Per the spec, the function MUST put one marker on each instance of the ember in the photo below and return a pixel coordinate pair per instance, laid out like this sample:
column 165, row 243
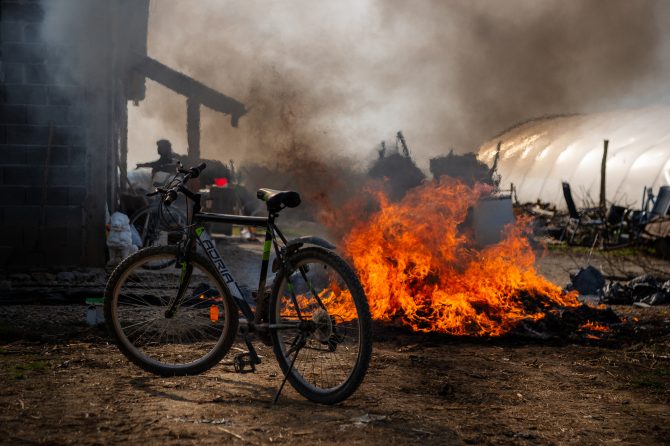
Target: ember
column 418, row 267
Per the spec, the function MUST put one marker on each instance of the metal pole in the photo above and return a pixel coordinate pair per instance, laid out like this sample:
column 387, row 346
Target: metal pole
column 603, row 168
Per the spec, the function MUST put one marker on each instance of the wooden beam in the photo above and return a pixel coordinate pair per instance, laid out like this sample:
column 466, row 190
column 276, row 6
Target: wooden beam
column 191, row 88
column 193, row 129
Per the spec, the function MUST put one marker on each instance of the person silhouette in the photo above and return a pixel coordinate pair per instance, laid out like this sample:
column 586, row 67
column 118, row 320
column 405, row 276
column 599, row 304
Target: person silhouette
column 166, row 161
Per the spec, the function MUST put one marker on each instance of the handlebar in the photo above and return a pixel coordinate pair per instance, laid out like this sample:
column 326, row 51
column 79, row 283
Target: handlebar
column 171, row 194
column 193, row 172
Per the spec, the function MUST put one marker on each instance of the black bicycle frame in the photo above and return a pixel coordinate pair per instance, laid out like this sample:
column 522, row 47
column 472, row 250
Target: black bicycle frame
column 205, row 240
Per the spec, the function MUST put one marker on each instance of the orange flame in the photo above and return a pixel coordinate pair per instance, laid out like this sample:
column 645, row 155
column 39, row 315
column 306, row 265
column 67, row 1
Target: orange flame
column 417, row 267
column 593, row 326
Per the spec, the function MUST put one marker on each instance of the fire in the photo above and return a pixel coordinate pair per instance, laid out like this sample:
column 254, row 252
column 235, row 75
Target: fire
column 593, row 326
column 417, row 267
column 338, row 302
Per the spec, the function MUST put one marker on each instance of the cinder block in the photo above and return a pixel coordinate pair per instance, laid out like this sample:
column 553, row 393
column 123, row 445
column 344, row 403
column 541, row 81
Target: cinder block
column 30, row 237
column 63, row 216
column 37, row 155
column 11, row 235
column 22, row 11
column 77, row 156
column 42, row 114
column 27, row 134
column 56, row 235
column 12, row 196
column 31, row 33
column 56, row 196
column 31, row 257
column 24, row 52
column 63, row 95
column 23, row 175
column 11, row 31
column 76, row 196
column 58, row 156
column 10, row 154
column 26, row 94
column 36, row 74
column 67, row 176
column 22, row 215
column 68, row 135
column 76, row 115
column 13, row 114
column 14, row 73
column 70, row 256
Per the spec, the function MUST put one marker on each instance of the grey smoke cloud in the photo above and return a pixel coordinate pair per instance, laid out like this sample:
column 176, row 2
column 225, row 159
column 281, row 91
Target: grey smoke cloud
column 341, row 76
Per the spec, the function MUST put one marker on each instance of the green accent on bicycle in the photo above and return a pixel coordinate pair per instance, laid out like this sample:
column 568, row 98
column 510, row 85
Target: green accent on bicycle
column 266, row 249
column 199, row 230
column 183, row 272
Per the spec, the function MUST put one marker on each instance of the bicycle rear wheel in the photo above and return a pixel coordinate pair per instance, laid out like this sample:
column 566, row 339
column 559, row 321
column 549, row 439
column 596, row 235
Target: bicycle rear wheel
column 187, row 341
column 158, row 224
column 327, row 354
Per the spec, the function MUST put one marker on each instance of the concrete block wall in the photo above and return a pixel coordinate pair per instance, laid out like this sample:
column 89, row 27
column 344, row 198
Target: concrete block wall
column 43, row 175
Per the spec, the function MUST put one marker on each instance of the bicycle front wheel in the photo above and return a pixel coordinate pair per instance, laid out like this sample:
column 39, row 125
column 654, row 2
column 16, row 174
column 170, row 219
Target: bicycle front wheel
column 323, row 334
column 178, row 320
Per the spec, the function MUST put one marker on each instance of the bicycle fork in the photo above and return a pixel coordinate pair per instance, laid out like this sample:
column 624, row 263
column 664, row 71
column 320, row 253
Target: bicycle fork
column 184, row 280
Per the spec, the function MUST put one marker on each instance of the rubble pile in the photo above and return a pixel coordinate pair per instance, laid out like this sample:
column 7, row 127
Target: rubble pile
column 400, row 173
column 642, row 291
column 574, row 323
column 466, row 168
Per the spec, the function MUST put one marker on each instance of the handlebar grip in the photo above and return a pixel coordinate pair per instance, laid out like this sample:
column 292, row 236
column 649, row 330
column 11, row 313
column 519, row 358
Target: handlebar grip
column 195, row 171
column 170, row 196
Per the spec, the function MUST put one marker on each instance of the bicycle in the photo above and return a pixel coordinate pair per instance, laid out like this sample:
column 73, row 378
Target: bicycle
column 157, row 225
column 182, row 320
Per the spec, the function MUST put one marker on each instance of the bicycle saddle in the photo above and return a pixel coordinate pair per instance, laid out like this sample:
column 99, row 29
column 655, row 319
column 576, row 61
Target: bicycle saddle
column 278, row 199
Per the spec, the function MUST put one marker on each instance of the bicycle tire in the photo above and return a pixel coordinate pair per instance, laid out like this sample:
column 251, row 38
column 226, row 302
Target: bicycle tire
column 324, row 386
column 137, row 297
column 147, row 217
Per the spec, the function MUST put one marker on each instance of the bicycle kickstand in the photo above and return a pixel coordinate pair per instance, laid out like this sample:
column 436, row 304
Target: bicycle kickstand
column 297, row 347
column 249, row 357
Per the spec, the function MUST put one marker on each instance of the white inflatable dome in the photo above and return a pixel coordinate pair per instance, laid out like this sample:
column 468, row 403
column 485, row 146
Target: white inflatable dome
column 538, row 155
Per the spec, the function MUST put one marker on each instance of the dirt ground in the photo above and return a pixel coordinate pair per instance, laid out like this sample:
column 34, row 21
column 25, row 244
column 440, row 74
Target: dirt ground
column 62, row 382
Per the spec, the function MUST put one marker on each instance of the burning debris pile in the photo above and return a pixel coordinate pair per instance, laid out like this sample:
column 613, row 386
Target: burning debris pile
column 419, row 268
column 466, row 168
column 397, row 168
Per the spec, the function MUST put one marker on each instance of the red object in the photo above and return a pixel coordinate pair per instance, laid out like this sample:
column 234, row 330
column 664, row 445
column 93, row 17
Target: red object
column 220, row 182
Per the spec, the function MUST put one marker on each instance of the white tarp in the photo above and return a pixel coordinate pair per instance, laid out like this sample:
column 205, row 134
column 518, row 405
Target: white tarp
column 538, row 155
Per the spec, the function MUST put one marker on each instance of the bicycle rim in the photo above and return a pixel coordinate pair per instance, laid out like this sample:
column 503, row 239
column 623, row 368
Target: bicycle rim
column 335, row 353
column 194, row 338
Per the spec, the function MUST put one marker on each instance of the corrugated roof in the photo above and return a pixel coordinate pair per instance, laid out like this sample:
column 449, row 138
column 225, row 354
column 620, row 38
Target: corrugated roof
column 538, row 155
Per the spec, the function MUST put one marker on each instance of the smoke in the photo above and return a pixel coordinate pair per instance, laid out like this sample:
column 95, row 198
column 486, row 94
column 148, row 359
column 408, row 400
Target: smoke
column 341, row 76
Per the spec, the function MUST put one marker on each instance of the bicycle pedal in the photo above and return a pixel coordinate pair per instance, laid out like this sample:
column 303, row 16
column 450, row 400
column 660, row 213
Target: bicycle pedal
column 242, row 361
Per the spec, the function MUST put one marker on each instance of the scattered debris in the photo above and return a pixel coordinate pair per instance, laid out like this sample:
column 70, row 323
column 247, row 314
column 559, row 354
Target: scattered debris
column 587, row 280
column 368, row 418
column 645, row 290
column 642, row 291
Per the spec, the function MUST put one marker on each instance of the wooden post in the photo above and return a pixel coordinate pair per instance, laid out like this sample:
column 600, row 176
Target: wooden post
column 193, row 129
column 603, row 169
column 123, row 146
